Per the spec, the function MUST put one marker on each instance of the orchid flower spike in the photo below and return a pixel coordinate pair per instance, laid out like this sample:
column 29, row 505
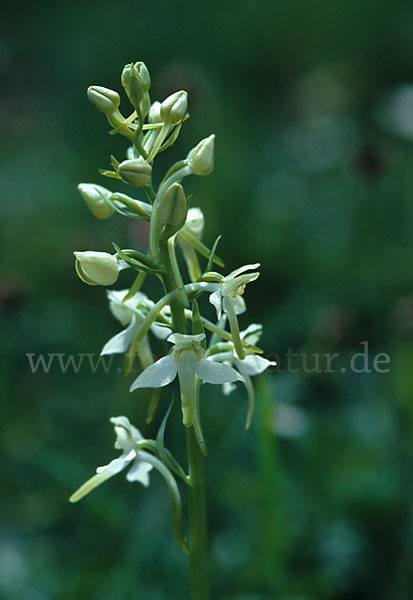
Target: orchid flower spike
column 227, row 296
column 252, row 364
column 186, row 360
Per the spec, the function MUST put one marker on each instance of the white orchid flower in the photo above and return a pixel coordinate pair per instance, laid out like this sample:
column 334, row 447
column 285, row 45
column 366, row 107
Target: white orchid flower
column 251, row 365
column 227, row 297
column 128, row 439
column 131, row 312
column 186, row 360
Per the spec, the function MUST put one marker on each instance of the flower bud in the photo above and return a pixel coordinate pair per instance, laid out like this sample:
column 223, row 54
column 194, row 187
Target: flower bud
column 201, row 158
column 136, row 172
column 155, row 113
column 174, row 108
column 172, row 208
column 195, row 222
column 95, row 197
column 144, row 77
column 136, row 81
column 97, row 268
column 103, row 99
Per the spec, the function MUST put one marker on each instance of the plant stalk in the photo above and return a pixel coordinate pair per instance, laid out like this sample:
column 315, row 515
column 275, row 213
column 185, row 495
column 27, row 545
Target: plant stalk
column 198, row 539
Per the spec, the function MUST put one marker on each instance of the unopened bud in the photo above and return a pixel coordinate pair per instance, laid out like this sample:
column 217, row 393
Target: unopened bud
column 195, row 222
column 136, row 172
column 95, row 197
column 172, row 208
column 97, row 268
column 155, row 113
column 174, row 108
column 103, row 99
column 201, row 158
column 136, row 81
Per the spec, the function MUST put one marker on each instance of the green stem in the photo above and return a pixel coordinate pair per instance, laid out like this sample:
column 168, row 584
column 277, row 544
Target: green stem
column 198, row 544
column 177, row 305
column 198, row 548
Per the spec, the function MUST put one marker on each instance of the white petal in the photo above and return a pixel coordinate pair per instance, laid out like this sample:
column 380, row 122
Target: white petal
column 120, row 342
column 238, row 303
column 243, row 269
column 160, row 331
column 139, row 472
column 227, row 388
column 253, row 364
column 117, row 464
column 252, row 333
column 186, row 340
column 216, row 299
column 162, row 372
column 214, row 372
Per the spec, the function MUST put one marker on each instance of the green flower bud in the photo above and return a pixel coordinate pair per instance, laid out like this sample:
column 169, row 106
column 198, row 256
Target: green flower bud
column 195, row 222
column 136, row 81
column 173, row 207
column 174, row 108
column 104, row 99
column 136, row 172
column 144, row 77
column 155, row 113
column 145, row 104
column 97, row 268
column 95, row 197
column 201, row 158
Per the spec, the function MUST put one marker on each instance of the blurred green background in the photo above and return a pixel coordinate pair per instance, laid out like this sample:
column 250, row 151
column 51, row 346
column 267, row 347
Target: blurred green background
column 311, row 102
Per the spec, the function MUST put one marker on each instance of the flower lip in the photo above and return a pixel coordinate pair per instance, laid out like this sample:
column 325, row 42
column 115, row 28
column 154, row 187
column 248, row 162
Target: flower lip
column 185, row 340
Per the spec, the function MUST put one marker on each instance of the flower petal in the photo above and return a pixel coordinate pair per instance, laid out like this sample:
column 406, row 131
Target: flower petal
column 162, row 372
column 160, row 331
column 216, row 299
column 186, row 340
column 186, row 374
column 117, row 464
column 238, row 303
column 227, row 388
column 90, row 485
column 214, row 372
column 139, row 472
column 242, row 270
column 253, row 364
column 120, row 342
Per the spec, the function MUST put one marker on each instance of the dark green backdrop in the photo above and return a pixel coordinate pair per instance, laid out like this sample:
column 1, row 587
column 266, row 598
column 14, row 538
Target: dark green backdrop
column 313, row 115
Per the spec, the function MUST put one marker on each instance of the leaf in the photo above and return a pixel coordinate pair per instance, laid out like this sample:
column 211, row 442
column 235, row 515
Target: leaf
column 164, row 454
column 111, row 174
column 153, row 404
column 200, row 247
column 212, row 255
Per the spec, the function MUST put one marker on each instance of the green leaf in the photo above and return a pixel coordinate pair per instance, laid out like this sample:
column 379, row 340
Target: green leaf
column 165, row 456
column 111, row 174
column 212, row 255
column 200, row 247
column 153, row 404
column 114, row 162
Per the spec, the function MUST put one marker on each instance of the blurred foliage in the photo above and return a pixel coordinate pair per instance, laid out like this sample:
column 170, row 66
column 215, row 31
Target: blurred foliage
column 311, row 103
